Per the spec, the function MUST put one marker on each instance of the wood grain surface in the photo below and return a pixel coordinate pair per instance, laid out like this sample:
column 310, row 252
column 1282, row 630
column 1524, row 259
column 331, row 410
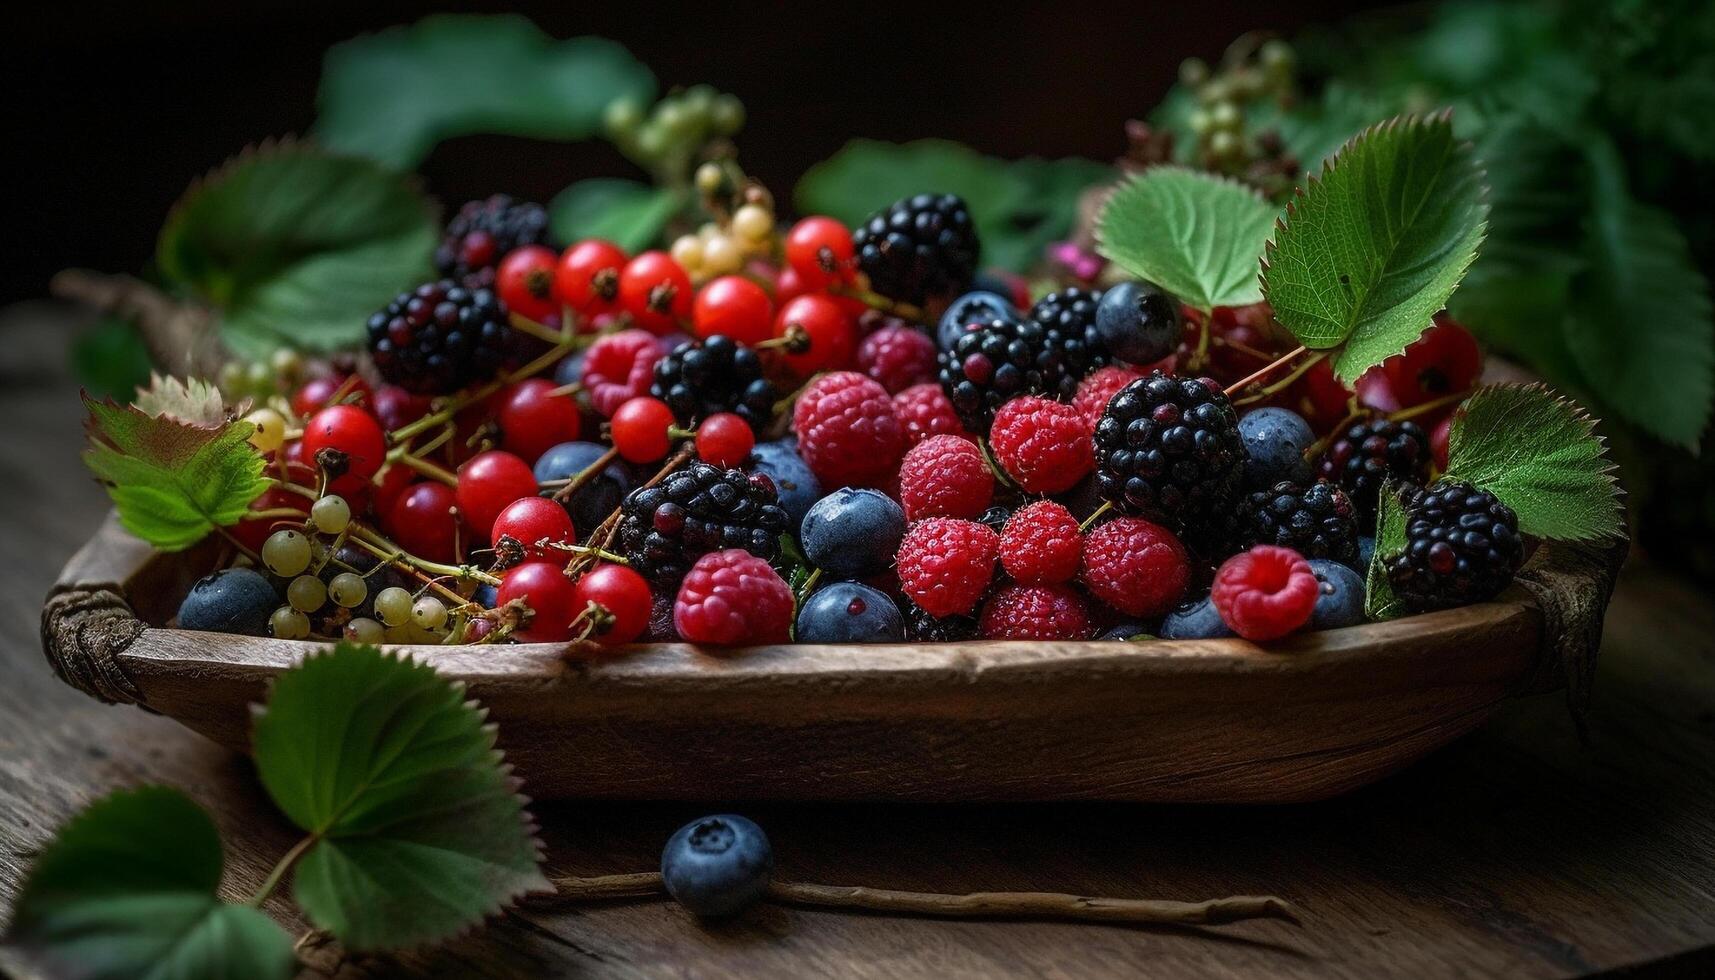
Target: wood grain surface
column 1516, row 851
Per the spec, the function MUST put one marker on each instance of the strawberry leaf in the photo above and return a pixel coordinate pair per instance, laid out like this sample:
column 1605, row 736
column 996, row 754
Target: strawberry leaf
column 173, row 482
column 1198, row 236
column 419, row 830
column 1539, row 453
column 127, row 889
column 1380, row 602
column 1370, row 250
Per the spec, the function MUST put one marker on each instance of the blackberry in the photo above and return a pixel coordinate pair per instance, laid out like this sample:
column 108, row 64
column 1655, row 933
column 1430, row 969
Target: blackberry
column 1071, row 312
column 1461, row 546
column 921, row 247
column 995, row 517
column 440, row 337
column 481, row 234
column 923, row 627
column 1371, row 453
column 1317, row 521
column 1000, row 360
column 703, row 377
column 1169, row 448
column 664, row 529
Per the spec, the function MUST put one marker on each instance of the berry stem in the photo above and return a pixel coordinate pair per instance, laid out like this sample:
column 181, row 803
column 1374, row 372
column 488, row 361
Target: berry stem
column 1273, row 389
column 465, row 573
column 540, row 331
column 1430, row 406
column 1095, row 516
column 1265, row 370
column 458, row 403
column 566, row 488
column 431, row 470
column 876, row 301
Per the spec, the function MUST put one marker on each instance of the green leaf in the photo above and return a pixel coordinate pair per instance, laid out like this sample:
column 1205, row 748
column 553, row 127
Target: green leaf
column 1380, row 602
column 1639, row 316
column 392, row 96
column 172, row 481
column 1198, row 236
column 296, row 246
column 1540, row 454
column 126, row 891
column 1370, row 251
column 1018, row 207
column 628, row 213
column 110, row 359
column 419, row 831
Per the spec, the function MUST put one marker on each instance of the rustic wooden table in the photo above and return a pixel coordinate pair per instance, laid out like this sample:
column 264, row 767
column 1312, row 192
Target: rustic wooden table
column 1517, row 851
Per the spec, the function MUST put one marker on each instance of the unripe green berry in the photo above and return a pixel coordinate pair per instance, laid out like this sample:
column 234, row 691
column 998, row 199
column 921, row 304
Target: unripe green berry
column 348, row 590
column 622, row 117
column 306, row 593
column 330, row 514
column 289, row 624
column 727, row 114
column 364, row 630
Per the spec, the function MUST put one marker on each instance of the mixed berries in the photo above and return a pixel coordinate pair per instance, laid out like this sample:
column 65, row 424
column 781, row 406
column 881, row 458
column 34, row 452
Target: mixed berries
column 830, row 434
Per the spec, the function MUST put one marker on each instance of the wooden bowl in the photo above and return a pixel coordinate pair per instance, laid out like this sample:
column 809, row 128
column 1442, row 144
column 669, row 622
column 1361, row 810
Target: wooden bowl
column 1190, row 720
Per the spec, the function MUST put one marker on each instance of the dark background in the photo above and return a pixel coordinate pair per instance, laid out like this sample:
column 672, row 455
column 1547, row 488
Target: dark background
column 110, row 110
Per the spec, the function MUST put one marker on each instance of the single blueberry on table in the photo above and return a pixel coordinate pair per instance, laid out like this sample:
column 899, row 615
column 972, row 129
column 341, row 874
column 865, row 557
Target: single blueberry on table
column 232, row 600
column 1195, row 621
column 980, row 306
column 596, row 499
column 852, row 533
column 1339, row 596
column 850, row 612
column 1275, row 440
column 717, row 866
column 1138, row 322
column 793, row 481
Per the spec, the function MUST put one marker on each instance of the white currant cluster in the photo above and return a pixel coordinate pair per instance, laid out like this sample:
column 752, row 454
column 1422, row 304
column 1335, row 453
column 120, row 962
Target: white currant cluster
column 743, row 232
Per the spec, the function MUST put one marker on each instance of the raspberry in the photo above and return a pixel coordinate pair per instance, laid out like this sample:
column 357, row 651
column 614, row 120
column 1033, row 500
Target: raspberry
column 439, row 338
column 1040, row 544
column 1042, row 444
column 701, row 378
column 620, row 367
column 919, row 247
column 847, row 430
column 698, row 509
column 1035, row 612
column 925, row 411
column 1135, row 566
column 898, row 357
column 1095, row 391
column 483, row 232
column 1462, row 546
column 945, row 476
column 945, row 565
column 733, row 597
column 1266, row 592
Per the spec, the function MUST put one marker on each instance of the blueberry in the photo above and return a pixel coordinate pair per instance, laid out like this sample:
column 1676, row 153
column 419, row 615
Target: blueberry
column 1340, row 596
column 717, row 866
column 1125, row 631
column 852, row 533
column 595, row 499
column 570, row 370
column 1366, row 550
column 1194, row 621
column 976, row 307
column 1275, row 440
column 486, row 596
column 232, row 600
column 850, row 612
column 792, row 478
column 1138, row 322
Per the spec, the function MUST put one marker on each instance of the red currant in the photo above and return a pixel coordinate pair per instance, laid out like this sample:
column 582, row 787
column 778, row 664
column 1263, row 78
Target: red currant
column 525, row 282
column 395, row 407
column 1439, row 437
column 533, row 419
column 832, row 332
column 487, row 483
column 423, row 523
column 724, row 440
column 587, row 279
column 316, row 393
column 623, row 594
column 1443, row 361
column 352, row 431
column 820, row 251
column 639, row 429
column 550, row 595
column 655, row 290
column 389, row 485
column 734, row 306
column 537, row 523
column 255, row 531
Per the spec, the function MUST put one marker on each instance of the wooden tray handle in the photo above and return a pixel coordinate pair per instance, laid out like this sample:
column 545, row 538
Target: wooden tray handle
column 1571, row 585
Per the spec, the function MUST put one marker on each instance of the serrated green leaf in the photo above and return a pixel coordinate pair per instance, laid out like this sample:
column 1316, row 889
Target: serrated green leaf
column 296, row 246
column 1639, row 317
column 126, row 891
column 173, row 482
column 193, row 401
column 1380, row 602
column 1539, row 453
column 392, row 96
column 1017, row 207
column 419, row 830
column 110, row 359
column 1370, row 251
column 1198, row 236
column 628, row 213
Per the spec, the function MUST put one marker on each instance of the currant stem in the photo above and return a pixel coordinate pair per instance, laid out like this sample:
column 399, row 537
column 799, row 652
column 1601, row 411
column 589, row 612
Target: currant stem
column 465, row 573
column 431, row 470
column 1284, row 383
column 1095, row 516
column 1265, row 370
column 540, row 331
column 458, row 403
column 1430, row 406
column 582, row 478
column 876, row 301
